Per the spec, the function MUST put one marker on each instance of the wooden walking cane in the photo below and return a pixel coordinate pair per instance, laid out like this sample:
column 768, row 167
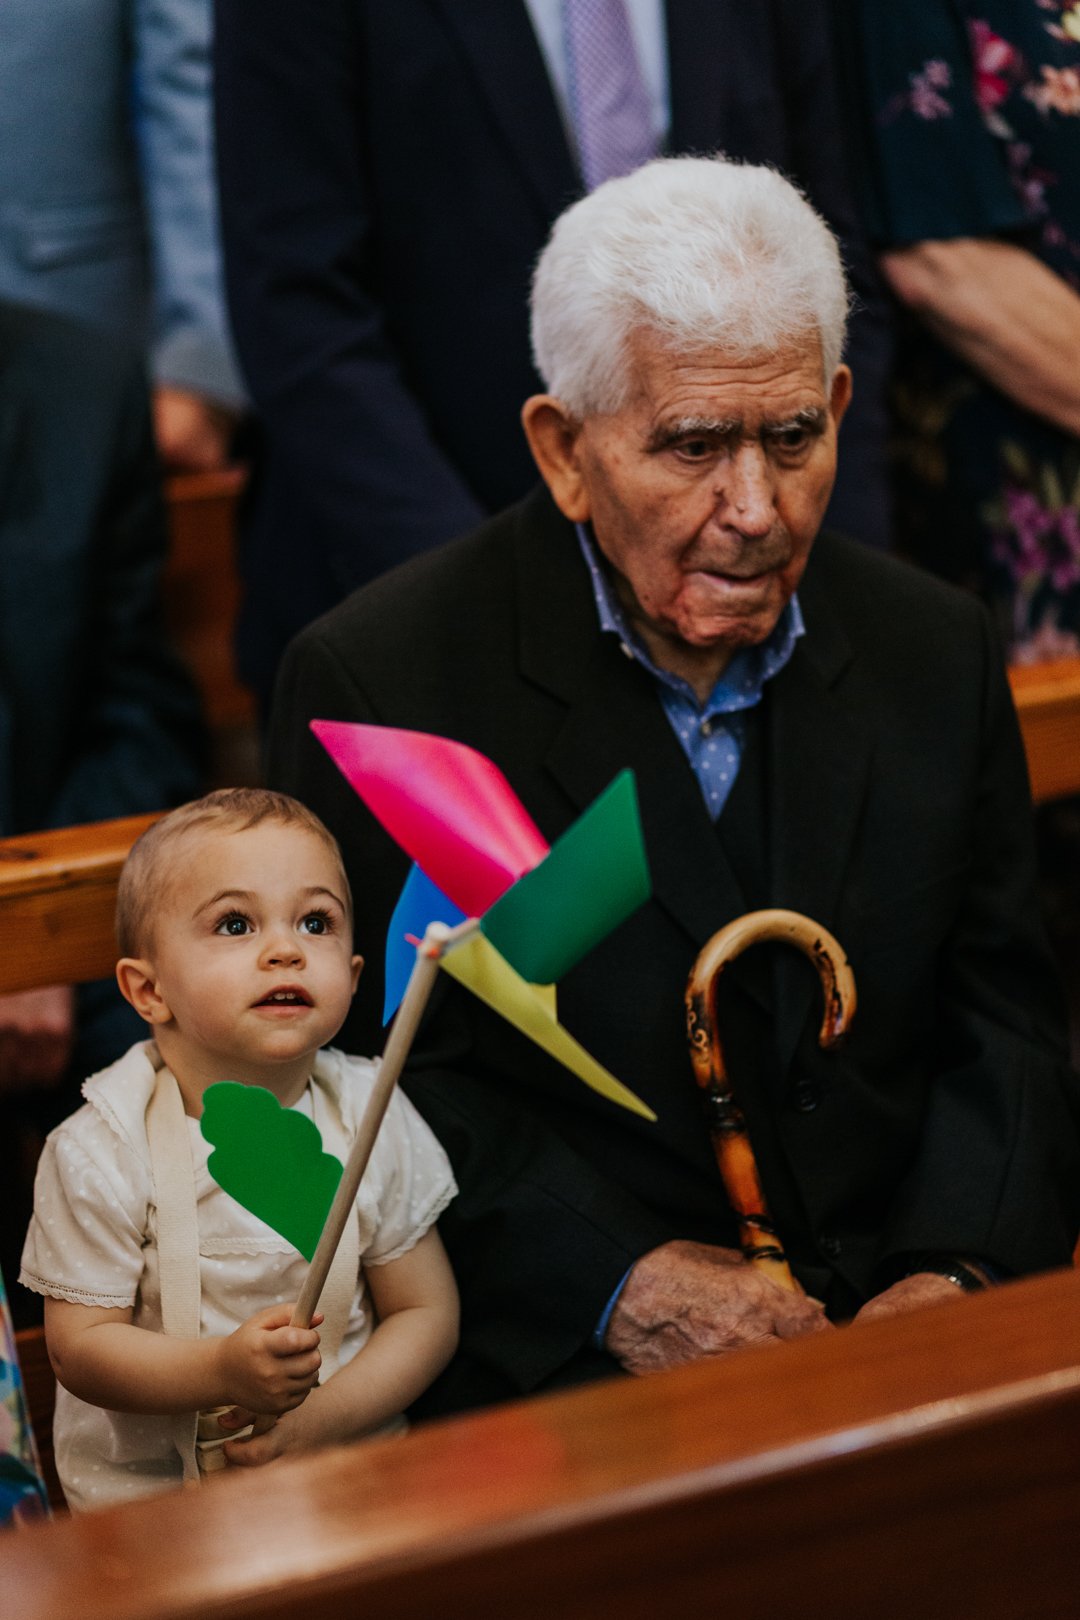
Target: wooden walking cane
column 727, row 1126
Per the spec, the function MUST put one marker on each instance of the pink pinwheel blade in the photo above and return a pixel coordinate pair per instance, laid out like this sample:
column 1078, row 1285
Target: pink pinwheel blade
column 449, row 807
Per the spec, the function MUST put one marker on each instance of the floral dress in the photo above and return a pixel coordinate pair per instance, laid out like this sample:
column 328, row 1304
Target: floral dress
column 970, row 127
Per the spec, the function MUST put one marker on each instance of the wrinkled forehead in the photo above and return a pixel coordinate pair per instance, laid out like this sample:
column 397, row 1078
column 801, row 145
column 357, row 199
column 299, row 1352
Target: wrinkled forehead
column 652, row 356
column 671, row 390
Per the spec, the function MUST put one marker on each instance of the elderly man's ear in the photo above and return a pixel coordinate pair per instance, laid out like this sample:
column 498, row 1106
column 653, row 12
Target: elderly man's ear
column 840, row 393
column 553, row 439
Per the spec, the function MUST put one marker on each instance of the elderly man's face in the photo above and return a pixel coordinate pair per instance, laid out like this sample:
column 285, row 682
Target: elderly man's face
column 705, row 492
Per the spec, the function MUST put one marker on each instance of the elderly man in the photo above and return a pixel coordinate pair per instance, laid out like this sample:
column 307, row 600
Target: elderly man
column 811, row 725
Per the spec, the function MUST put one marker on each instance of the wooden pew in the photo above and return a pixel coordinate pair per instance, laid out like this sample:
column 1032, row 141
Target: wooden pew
column 1047, row 698
column 202, row 599
column 202, row 587
column 925, row 1465
column 57, row 899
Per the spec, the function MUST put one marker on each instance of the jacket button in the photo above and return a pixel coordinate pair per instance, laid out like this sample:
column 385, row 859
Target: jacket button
column 807, row 1096
column 829, row 1244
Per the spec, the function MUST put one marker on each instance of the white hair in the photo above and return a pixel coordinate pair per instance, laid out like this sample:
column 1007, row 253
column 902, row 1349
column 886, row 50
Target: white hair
column 703, row 252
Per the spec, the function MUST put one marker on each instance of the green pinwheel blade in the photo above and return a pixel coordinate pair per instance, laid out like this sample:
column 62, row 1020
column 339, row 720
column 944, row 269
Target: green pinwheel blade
column 271, row 1160
column 589, row 882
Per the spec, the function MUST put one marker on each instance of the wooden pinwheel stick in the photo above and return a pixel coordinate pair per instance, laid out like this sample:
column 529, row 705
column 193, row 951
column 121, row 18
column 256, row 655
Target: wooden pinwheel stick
column 727, row 1126
column 421, row 982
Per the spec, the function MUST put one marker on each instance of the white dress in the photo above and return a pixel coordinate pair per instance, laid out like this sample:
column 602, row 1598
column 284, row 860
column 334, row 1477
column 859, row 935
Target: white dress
column 92, row 1240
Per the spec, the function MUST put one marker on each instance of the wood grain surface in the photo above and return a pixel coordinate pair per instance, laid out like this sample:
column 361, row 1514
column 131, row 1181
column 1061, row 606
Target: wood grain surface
column 923, row 1466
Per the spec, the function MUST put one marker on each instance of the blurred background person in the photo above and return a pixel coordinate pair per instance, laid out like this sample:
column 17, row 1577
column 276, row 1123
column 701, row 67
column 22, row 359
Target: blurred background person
column 107, row 199
column 97, row 717
column 389, row 174
column 968, row 123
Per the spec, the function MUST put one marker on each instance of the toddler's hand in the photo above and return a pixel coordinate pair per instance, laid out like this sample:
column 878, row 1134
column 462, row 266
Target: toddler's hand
column 255, row 1450
column 268, row 1366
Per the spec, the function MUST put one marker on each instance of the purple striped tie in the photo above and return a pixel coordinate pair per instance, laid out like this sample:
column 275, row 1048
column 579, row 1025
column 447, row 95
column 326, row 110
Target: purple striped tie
column 608, row 98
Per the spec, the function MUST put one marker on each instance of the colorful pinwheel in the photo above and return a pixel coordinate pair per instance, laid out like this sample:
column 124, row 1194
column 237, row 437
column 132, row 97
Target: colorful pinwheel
column 521, row 912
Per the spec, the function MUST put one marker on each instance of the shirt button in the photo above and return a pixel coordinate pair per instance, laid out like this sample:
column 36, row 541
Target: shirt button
column 706, row 728
column 829, row 1244
column 807, row 1096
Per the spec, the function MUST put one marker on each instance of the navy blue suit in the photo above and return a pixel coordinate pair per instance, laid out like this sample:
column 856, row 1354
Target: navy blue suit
column 389, row 174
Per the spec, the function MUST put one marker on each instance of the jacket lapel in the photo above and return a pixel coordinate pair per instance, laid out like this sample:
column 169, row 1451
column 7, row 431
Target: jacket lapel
column 496, row 40
column 821, row 750
column 614, row 719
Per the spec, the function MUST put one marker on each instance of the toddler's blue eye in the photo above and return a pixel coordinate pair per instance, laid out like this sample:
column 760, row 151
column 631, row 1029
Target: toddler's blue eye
column 316, row 923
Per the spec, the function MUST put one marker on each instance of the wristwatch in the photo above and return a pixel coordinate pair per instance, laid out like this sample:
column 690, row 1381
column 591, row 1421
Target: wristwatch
column 953, row 1270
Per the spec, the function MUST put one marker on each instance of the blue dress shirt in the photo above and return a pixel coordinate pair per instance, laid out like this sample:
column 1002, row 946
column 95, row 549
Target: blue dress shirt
column 712, row 734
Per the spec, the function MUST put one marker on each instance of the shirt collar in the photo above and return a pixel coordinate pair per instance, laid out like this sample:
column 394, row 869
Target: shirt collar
column 741, row 684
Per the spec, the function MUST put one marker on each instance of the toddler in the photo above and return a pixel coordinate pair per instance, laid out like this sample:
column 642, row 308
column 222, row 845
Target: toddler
column 164, row 1298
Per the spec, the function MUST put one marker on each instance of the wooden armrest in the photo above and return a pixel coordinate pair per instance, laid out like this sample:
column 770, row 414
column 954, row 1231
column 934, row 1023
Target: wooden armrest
column 57, row 900
column 202, row 588
column 182, row 489
column 1047, row 698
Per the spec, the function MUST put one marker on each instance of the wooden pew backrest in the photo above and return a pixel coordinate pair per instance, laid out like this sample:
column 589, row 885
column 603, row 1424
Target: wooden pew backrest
column 1047, row 698
column 57, row 899
column 928, row 1465
column 202, row 588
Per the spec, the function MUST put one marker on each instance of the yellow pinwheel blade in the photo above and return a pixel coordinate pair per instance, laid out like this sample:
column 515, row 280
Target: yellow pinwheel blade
column 476, row 964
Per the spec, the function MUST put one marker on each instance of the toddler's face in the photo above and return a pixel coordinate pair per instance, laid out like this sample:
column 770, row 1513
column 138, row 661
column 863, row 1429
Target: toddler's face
column 252, row 949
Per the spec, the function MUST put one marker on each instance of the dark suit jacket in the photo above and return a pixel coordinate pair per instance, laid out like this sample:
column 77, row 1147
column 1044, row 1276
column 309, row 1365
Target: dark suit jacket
column 883, row 793
column 389, row 174
column 97, row 717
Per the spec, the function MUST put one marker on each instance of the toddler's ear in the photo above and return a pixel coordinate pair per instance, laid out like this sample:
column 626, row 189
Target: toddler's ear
column 138, row 984
column 357, row 969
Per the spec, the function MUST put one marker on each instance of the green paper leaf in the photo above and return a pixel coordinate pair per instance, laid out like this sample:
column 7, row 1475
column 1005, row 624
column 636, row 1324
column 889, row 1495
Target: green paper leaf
column 589, row 882
column 271, row 1160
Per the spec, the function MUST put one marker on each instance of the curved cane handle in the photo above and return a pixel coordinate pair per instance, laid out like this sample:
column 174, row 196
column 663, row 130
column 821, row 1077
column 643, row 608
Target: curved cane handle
column 727, row 1126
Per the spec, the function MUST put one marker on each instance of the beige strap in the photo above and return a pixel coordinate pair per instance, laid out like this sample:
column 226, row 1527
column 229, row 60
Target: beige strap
column 343, row 1279
column 178, row 1259
column 178, row 1231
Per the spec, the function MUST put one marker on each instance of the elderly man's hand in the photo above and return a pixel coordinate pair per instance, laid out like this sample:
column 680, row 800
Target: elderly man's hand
column 910, row 1294
column 36, row 1033
column 687, row 1300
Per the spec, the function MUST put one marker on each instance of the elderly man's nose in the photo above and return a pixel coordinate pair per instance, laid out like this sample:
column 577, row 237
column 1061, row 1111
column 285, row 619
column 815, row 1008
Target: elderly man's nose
column 750, row 495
